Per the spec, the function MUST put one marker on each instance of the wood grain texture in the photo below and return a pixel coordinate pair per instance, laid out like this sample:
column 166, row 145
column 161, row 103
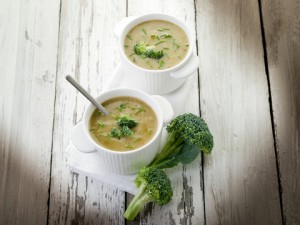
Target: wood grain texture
column 281, row 21
column 187, row 205
column 27, row 73
column 87, row 51
column 240, row 182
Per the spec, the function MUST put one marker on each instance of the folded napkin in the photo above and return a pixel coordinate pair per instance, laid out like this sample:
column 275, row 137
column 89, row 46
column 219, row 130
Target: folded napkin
column 87, row 163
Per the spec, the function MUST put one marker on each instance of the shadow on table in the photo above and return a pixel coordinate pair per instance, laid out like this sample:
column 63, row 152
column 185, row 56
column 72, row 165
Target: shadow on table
column 241, row 182
column 24, row 181
column 25, row 193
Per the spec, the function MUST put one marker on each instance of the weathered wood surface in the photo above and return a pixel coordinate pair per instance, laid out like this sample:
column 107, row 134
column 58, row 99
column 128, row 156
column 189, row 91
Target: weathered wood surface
column 241, row 185
column 281, row 21
column 27, row 88
column 87, row 50
column 42, row 41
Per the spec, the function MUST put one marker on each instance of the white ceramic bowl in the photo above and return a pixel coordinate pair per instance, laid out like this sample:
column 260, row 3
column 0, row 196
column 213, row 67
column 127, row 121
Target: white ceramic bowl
column 156, row 81
column 127, row 162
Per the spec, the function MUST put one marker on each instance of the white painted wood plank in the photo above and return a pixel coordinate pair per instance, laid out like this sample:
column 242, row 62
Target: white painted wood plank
column 28, row 51
column 87, row 50
column 282, row 29
column 186, row 206
column 240, row 175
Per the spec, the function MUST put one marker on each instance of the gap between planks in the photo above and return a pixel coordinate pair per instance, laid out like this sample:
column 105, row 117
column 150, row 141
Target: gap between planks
column 264, row 44
column 54, row 103
column 199, row 106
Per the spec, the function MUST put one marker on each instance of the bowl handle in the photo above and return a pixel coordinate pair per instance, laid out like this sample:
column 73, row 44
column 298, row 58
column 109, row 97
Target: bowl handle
column 79, row 139
column 191, row 66
column 166, row 108
column 120, row 26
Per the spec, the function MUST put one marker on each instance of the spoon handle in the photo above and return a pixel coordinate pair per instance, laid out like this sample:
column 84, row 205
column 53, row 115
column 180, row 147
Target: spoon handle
column 87, row 95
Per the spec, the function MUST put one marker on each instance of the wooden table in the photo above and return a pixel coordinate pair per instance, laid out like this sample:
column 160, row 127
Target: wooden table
column 247, row 88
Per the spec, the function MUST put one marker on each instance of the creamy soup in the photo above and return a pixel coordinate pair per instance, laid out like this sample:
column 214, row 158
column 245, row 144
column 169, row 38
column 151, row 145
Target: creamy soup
column 156, row 45
column 131, row 123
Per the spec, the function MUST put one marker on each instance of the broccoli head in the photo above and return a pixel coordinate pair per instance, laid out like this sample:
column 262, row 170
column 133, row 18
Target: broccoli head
column 120, row 132
column 154, row 186
column 188, row 135
column 125, row 131
column 116, row 133
column 147, row 51
column 193, row 130
column 126, row 120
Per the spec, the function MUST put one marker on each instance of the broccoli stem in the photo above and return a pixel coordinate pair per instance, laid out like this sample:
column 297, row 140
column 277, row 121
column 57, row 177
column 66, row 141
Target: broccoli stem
column 172, row 138
column 137, row 203
column 162, row 164
column 173, row 145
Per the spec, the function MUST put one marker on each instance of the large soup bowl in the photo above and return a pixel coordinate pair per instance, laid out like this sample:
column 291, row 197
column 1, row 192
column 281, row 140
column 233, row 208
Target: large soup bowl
column 156, row 81
column 123, row 162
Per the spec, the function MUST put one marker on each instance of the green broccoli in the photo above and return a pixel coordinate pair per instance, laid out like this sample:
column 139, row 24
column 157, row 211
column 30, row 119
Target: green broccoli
column 188, row 135
column 126, row 120
column 125, row 131
column 116, row 133
column 147, row 51
column 154, row 186
column 120, row 132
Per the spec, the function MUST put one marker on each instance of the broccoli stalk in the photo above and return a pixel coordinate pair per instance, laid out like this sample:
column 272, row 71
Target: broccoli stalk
column 188, row 135
column 147, row 51
column 137, row 203
column 154, row 186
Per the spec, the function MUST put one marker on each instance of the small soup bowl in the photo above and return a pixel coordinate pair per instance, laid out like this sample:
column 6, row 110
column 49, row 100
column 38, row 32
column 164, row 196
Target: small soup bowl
column 125, row 162
column 156, row 81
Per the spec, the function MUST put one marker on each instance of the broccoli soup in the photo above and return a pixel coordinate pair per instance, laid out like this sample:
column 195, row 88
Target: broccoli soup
column 156, row 45
column 131, row 123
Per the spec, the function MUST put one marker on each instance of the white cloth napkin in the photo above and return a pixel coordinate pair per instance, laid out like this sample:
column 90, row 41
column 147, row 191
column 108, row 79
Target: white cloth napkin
column 87, row 163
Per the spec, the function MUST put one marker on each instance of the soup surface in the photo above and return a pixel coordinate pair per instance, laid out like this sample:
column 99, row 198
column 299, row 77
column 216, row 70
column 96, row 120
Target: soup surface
column 156, row 45
column 110, row 133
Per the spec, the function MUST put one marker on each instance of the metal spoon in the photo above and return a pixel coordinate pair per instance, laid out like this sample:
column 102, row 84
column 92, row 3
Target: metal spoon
column 87, row 95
